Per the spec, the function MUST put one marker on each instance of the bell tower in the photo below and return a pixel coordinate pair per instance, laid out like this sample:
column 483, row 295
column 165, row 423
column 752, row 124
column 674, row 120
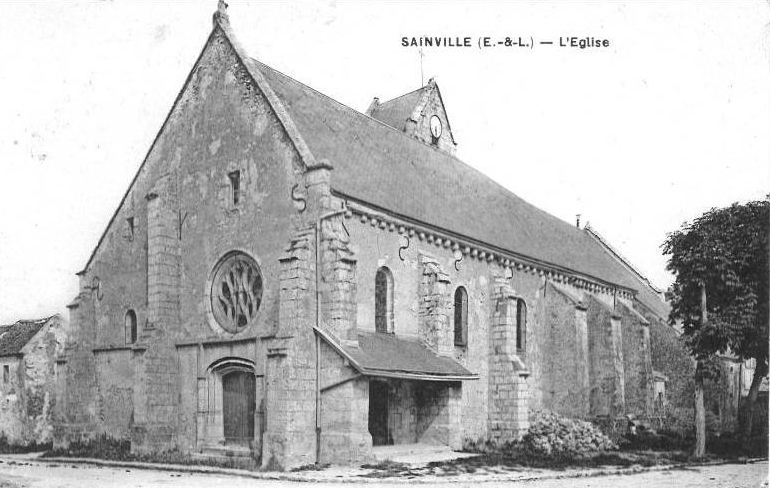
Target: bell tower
column 421, row 114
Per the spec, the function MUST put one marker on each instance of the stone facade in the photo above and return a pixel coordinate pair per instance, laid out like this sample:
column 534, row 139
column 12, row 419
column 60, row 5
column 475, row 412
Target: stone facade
column 230, row 174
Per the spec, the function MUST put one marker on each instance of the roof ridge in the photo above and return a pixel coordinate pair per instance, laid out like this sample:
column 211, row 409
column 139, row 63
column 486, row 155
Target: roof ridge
column 401, row 96
column 595, row 234
column 42, row 320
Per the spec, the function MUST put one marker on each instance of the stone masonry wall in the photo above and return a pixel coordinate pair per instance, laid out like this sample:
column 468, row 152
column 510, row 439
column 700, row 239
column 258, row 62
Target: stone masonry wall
column 290, row 437
column 670, row 357
column 402, row 412
column 418, row 124
column 221, row 123
column 345, row 437
column 338, row 276
column 378, row 243
column 433, row 322
column 637, row 367
column 75, row 416
column 606, row 368
column 12, row 400
column 115, row 397
column 565, row 372
column 156, row 429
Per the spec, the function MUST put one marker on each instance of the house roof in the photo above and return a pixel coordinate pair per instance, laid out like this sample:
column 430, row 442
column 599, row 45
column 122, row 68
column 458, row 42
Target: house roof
column 397, row 111
column 383, row 167
column 14, row 337
column 388, row 355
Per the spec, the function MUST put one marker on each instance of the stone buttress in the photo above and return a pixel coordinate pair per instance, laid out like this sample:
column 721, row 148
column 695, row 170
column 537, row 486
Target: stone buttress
column 156, row 391
column 508, row 394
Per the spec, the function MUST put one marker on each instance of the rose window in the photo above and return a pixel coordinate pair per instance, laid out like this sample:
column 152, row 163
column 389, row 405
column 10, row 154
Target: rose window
column 236, row 292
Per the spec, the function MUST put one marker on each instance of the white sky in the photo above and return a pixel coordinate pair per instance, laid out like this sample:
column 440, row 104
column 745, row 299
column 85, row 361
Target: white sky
column 671, row 120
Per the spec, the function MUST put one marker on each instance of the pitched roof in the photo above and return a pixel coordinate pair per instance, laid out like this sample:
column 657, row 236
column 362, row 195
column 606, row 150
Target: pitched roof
column 14, row 337
column 397, row 111
column 383, row 167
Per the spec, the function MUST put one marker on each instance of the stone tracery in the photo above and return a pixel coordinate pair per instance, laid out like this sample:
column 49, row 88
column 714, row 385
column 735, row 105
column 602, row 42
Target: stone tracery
column 236, row 292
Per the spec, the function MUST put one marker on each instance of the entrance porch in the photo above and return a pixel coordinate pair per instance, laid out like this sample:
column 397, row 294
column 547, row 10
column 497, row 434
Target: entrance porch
column 403, row 412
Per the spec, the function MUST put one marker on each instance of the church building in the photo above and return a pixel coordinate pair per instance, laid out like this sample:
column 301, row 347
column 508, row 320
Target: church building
column 293, row 281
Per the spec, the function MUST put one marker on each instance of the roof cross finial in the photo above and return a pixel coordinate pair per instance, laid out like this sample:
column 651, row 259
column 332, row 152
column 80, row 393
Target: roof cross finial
column 220, row 16
column 422, row 77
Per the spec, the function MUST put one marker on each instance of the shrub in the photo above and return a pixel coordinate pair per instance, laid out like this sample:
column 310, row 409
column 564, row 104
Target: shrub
column 551, row 435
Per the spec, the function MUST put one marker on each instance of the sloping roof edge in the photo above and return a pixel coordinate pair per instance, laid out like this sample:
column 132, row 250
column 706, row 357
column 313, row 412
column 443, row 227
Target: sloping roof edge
column 446, row 112
column 147, row 154
column 595, row 234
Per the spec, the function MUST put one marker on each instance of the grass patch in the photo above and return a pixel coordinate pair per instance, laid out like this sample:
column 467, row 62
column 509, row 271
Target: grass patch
column 311, row 467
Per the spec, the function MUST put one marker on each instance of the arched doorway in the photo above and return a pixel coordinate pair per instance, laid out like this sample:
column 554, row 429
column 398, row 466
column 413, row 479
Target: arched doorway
column 231, row 406
column 238, row 406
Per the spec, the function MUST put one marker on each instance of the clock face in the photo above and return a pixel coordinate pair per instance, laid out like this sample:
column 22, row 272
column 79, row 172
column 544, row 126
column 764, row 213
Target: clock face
column 435, row 126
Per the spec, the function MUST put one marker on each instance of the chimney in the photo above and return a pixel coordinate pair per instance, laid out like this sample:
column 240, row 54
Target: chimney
column 577, row 221
column 373, row 106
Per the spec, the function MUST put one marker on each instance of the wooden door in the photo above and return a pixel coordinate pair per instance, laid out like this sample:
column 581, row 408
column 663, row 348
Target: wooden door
column 238, row 405
column 378, row 413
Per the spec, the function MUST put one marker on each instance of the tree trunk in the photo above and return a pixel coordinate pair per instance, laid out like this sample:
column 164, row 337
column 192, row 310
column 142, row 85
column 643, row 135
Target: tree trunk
column 700, row 415
column 760, row 371
column 700, row 408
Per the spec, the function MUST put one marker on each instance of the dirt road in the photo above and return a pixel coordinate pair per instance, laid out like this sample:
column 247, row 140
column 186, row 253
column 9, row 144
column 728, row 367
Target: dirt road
column 39, row 475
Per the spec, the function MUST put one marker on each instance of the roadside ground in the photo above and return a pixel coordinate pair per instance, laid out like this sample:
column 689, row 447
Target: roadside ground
column 27, row 471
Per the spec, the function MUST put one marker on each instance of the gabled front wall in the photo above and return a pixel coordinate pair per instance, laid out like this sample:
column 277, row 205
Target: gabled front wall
column 220, row 123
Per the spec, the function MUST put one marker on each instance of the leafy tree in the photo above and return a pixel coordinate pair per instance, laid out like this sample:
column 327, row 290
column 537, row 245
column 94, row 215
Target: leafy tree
column 720, row 293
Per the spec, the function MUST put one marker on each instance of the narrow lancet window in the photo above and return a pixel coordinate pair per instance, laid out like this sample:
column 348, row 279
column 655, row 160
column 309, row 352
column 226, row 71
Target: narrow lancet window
column 521, row 325
column 235, row 184
column 461, row 316
column 383, row 300
column 130, row 327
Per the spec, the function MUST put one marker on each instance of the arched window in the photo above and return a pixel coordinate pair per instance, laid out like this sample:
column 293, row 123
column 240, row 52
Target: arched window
column 521, row 325
column 461, row 316
column 383, row 300
column 130, row 327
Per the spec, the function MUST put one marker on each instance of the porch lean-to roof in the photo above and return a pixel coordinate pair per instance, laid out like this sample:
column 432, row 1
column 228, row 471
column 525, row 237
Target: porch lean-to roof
column 390, row 356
